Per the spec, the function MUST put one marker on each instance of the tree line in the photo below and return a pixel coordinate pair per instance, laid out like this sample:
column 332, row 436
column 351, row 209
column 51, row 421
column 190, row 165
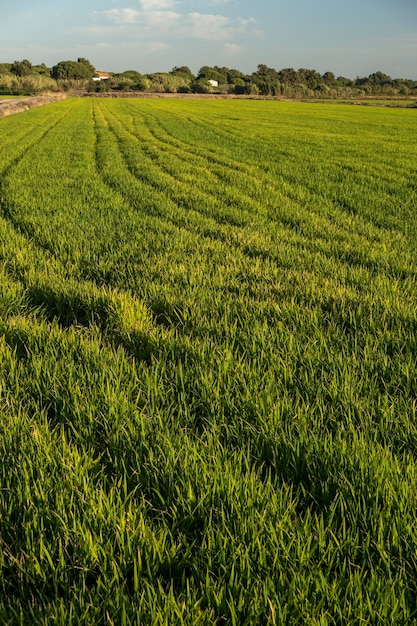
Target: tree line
column 21, row 77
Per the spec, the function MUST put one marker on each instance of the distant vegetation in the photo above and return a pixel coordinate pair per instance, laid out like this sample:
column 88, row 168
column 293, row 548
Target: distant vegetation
column 21, row 77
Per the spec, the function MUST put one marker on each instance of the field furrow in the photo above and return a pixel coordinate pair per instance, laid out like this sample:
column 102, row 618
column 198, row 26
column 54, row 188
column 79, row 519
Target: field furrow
column 208, row 349
column 217, row 202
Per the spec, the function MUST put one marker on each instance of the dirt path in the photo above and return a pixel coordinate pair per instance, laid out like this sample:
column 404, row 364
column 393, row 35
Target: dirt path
column 17, row 105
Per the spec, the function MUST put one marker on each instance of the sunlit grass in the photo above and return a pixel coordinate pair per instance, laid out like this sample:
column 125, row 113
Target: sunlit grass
column 208, row 364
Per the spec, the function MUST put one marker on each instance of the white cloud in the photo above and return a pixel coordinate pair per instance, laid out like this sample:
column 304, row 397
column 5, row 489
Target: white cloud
column 211, row 27
column 157, row 5
column 157, row 46
column 95, row 30
column 245, row 23
column 161, row 20
column 156, row 17
column 120, row 16
column 232, row 48
column 216, row 27
column 106, row 46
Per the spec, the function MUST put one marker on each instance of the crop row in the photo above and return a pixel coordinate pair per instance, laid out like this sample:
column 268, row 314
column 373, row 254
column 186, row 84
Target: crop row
column 208, row 363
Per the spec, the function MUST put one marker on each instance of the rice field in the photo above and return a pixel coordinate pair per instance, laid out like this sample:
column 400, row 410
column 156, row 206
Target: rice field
column 402, row 102
column 208, row 346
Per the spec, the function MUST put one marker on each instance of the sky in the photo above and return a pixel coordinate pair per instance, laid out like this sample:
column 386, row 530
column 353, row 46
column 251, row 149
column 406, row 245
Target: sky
column 350, row 38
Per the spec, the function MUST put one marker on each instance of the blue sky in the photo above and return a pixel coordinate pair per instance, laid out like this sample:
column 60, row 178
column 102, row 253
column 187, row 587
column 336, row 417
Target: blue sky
column 350, row 39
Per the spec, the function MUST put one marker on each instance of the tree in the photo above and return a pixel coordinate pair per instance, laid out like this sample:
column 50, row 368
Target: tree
column 212, row 73
column 89, row 65
column 183, row 71
column 130, row 80
column 200, row 85
column 267, row 73
column 379, row 78
column 308, row 77
column 21, row 68
column 288, row 76
column 133, row 74
column 71, row 70
column 344, row 82
column 329, row 78
column 42, row 69
column 235, row 77
column 267, row 80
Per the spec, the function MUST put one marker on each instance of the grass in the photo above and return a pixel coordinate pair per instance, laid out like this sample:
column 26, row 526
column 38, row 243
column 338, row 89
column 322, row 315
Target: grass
column 208, row 364
column 403, row 102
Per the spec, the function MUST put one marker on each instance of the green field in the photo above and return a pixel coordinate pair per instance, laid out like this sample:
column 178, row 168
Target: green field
column 387, row 102
column 208, row 347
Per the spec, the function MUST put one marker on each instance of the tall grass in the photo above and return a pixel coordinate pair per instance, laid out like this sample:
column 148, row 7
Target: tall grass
column 208, row 364
column 25, row 85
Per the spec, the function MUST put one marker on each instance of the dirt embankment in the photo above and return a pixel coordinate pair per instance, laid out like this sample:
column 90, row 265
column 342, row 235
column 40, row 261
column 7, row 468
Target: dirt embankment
column 17, row 105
